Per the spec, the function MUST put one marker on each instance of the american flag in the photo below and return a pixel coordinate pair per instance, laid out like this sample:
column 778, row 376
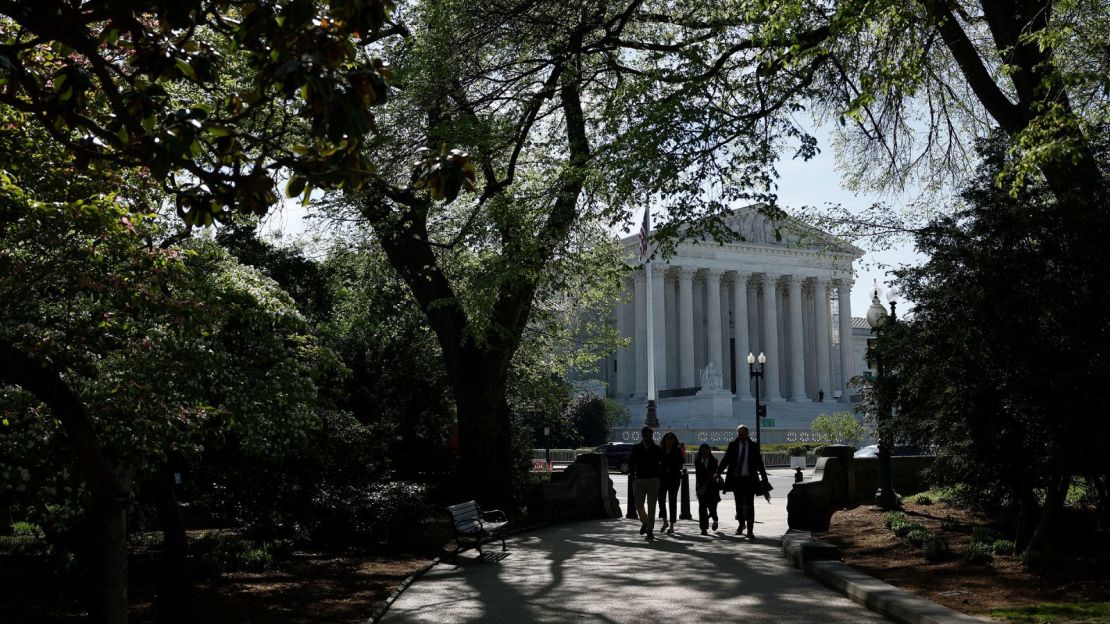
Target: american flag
column 645, row 228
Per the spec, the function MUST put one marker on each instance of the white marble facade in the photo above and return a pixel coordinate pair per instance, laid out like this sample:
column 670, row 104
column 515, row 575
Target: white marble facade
column 713, row 304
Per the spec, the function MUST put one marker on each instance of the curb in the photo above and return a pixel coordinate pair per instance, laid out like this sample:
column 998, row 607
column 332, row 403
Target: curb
column 821, row 561
column 380, row 612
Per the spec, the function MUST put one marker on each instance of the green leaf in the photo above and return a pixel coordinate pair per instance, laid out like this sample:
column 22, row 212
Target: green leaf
column 295, row 186
column 185, row 68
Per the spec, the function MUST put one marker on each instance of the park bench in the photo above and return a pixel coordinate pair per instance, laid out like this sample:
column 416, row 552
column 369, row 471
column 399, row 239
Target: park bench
column 471, row 523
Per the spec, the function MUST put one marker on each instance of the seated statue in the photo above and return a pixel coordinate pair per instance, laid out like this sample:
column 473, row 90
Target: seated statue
column 710, row 378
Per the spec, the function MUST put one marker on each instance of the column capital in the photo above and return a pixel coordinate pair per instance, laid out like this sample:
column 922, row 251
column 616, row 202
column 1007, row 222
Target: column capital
column 819, row 281
column 793, row 281
column 844, row 283
column 686, row 272
column 714, row 274
column 741, row 277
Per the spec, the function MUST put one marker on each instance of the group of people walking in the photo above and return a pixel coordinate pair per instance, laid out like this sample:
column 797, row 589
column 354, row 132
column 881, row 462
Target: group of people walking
column 656, row 471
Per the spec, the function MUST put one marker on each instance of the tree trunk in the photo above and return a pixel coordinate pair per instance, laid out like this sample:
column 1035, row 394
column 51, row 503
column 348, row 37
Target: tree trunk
column 108, row 483
column 5, row 518
column 1027, row 515
column 1055, row 496
column 108, row 560
column 174, row 584
column 485, row 434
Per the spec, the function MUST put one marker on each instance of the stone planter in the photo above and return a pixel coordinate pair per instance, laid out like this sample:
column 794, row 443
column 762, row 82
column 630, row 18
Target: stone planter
column 798, row 462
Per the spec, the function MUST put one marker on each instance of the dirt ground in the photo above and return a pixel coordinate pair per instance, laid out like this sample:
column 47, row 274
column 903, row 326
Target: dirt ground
column 1079, row 574
column 309, row 588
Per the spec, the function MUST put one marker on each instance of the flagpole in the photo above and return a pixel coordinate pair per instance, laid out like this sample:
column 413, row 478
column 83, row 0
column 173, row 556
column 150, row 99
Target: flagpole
column 652, row 419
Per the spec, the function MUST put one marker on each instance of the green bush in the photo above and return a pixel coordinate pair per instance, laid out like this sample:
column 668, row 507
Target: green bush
column 904, row 527
column 918, row 537
column 215, row 553
column 594, row 417
column 838, row 428
column 19, row 545
column 923, row 499
column 986, row 535
column 948, row 523
column 892, row 517
column 936, row 549
column 979, row 552
column 1002, row 547
column 27, row 529
column 390, row 513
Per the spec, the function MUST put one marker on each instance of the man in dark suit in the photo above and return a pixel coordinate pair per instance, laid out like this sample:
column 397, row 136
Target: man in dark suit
column 744, row 465
column 645, row 464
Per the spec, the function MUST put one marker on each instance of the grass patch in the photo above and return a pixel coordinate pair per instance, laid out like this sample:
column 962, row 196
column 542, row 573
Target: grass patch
column 1057, row 612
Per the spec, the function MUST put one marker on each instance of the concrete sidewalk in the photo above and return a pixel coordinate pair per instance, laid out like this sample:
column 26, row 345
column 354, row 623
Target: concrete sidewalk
column 604, row 571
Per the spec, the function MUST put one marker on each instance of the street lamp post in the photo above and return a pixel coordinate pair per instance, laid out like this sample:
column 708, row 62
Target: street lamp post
column 877, row 318
column 757, row 374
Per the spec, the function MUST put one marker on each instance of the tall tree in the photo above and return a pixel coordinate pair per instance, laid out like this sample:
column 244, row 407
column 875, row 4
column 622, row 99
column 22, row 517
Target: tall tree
column 996, row 365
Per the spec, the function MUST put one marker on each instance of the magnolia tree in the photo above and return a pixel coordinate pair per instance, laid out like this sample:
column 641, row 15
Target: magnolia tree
column 119, row 354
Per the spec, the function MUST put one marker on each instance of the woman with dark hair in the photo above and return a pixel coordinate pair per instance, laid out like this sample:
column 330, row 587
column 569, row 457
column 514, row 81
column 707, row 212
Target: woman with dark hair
column 670, row 475
column 705, row 483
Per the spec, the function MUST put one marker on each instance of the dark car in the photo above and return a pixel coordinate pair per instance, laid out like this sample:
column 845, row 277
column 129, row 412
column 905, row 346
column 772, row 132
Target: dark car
column 617, row 454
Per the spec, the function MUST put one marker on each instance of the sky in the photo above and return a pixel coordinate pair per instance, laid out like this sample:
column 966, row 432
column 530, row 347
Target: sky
column 814, row 183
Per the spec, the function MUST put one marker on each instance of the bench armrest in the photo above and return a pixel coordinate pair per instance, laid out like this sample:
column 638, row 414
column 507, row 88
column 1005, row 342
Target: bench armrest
column 495, row 515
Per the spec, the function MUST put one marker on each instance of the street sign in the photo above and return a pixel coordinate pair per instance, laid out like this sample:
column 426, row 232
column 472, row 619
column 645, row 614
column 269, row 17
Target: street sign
column 767, row 422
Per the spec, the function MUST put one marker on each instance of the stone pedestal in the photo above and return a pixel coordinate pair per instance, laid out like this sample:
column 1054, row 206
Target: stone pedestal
column 582, row 491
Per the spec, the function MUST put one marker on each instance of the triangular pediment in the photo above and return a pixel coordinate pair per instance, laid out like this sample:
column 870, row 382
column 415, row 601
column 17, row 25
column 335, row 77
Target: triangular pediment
column 754, row 227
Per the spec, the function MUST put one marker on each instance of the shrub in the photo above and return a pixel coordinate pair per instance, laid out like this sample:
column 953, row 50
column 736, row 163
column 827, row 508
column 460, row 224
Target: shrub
column 979, row 552
column 923, row 499
column 838, row 428
column 1002, row 547
column 948, row 523
column 798, row 451
column 27, row 529
column 214, row 554
column 936, row 549
column 904, row 527
column 388, row 513
column 918, row 537
column 986, row 535
column 594, row 417
column 23, row 545
column 892, row 517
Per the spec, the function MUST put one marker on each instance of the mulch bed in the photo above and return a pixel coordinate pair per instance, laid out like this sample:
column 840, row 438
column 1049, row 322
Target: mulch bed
column 1080, row 573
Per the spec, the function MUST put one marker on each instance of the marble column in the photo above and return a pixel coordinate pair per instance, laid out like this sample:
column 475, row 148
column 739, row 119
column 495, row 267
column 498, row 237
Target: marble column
column 771, row 338
column 659, row 314
column 847, row 361
column 670, row 302
column 740, row 329
column 797, row 348
column 713, row 318
column 687, row 368
column 821, row 335
column 639, row 339
column 624, row 382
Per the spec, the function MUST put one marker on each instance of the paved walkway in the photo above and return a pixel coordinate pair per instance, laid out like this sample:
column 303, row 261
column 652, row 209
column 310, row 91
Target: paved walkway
column 604, row 571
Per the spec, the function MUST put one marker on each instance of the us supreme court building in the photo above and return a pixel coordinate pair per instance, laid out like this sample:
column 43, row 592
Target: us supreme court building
column 785, row 294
